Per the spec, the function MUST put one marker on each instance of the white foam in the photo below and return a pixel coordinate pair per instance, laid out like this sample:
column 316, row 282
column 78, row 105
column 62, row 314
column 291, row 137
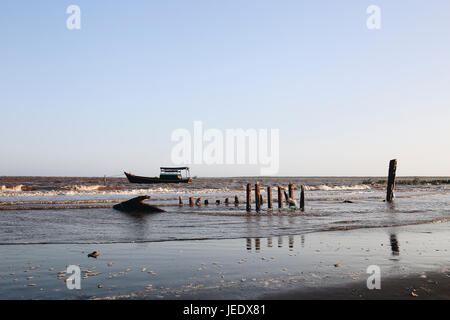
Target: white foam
column 12, row 189
column 338, row 188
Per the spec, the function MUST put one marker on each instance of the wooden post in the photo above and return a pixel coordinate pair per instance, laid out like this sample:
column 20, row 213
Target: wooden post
column 280, row 198
column 227, row 201
column 291, row 191
column 391, row 180
column 180, row 201
column 249, row 197
column 236, row 200
column 269, row 197
column 217, row 202
column 206, row 202
column 302, row 198
column 257, row 197
column 191, row 202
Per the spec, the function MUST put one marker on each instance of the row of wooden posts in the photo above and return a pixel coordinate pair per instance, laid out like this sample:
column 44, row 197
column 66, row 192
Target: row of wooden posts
column 290, row 198
column 258, row 204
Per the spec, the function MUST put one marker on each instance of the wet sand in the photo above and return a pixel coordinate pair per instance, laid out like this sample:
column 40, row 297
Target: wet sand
column 420, row 286
column 318, row 265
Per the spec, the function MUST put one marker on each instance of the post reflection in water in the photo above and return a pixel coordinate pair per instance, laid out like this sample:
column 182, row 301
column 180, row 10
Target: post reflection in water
column 395, row 247
column 291, row 243
column 280, row 242
column 257, row 245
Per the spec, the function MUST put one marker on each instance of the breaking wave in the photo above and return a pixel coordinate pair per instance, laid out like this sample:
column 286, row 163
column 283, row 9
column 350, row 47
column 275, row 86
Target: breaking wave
column 338, row 188
column 11, row 189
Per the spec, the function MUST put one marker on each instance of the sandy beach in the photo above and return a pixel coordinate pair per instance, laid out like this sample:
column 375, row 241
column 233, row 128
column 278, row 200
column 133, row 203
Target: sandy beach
column 321, row 265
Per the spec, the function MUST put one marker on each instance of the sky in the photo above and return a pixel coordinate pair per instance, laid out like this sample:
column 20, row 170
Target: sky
column 107, row 97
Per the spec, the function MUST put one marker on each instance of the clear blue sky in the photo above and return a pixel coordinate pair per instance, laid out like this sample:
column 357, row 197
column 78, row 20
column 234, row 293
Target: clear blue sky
column 106, row 98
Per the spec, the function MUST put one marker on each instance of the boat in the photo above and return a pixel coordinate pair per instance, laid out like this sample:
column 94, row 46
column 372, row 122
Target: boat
column 167, row 175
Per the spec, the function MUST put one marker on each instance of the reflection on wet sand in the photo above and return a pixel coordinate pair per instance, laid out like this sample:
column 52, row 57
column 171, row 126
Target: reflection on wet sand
column 257, row 241
column 395, row 247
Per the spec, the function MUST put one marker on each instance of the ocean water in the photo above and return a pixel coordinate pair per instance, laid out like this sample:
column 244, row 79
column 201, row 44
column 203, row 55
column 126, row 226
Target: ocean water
column 53, row 210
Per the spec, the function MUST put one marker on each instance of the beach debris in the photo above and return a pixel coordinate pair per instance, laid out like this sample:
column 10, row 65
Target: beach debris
column 100, row 286
column 413, row 293
column 110, row 264
column 29, row 278
column 32, row 284
column 337, row 265
column 137, row 205
column 292, row 203
column 143, row 269
column 51, row 269
column 151, row 272
column 94, row 254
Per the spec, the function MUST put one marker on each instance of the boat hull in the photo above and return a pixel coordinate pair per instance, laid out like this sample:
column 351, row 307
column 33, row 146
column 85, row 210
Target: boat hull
column 151, row 180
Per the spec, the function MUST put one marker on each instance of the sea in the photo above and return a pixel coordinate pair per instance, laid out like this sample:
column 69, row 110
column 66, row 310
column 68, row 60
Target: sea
column 78, row 210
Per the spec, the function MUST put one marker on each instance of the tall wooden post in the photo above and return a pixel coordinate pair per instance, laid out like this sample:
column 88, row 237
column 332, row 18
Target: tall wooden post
column 280, row 198
column 191, row 202
column 257, row 197
column 249, row 197
column 302, row 198
column 236, row 200
column 180, row 201
column 291, row 191
column 391, row 180
column 269, row 197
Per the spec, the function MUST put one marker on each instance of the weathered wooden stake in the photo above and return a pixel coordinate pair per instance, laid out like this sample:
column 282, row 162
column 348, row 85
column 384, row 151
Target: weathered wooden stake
column 180, row 201
column 302, row 198
column 280, row 198
column 391, row 180
column 269, row 197
column 249, row 197
column 291, row 191
column 206, row 202
column 191, row 201
column 227, row 201
column 217, row 202
column 236, row 200
column 257, row 197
